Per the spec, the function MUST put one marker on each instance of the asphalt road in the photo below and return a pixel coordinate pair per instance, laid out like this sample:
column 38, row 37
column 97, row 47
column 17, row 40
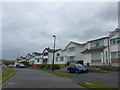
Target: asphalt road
column 28, row 78
column 111, row 78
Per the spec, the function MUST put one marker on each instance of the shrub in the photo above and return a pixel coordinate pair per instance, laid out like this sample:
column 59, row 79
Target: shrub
column 56, row 66
column 48, row 66
column 43, row 66
column 26, row 63
column 106, row 68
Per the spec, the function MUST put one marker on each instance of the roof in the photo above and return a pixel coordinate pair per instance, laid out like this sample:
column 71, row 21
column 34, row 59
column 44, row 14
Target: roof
column 51, row 50
column 98, row 39
column 76, row 43
column 28, row 54
column 22, row 57
column 37, row 54
column 94, row 49
column 113, row 32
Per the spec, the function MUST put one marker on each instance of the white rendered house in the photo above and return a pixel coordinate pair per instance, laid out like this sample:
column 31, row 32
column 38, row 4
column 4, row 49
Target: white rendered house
column 36, row 59
column 114, row 47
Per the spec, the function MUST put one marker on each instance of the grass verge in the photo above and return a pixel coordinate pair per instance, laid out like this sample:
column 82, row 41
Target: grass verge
column 6, row 74
column 56, row 73
column 98, row 86
column 61, row 74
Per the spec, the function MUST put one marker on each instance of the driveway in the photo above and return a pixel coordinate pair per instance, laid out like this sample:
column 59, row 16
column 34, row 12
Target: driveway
column 110, row 78
column 28, row 78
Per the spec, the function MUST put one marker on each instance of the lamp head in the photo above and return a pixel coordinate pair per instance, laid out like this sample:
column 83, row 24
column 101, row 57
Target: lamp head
column 54, row 36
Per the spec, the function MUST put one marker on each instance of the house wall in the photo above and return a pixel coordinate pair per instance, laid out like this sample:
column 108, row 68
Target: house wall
column 87, row 58
column 50, row 58
column 62, row 54
column 114, row 48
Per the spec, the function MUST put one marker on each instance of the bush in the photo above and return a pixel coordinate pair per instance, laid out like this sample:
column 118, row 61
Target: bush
column 106, row 68
column 48, row 66
column 43, row 66
column 26, row 63
column 56, row 66
column 7, row 63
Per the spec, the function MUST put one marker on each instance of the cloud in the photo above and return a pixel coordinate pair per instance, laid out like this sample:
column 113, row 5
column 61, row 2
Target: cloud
column 29, row 27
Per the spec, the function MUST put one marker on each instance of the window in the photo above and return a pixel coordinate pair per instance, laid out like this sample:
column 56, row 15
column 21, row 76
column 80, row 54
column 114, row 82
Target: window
column 115, row 41
column 96, row 55
column 115, row 55
column 71, row 57
column 71, row 49
column 38, row 60
column 97, row 43
column 61, row 58
column 56, row 59
column 58, row 54
column 45, row 54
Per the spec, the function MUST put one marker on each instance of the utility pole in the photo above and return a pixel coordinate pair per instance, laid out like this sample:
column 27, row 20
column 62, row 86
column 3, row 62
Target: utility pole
column 53, row 53
column 18, row 56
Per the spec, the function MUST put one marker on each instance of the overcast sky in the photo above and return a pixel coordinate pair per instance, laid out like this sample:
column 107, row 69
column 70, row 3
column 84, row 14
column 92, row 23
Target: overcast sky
column 28, row 27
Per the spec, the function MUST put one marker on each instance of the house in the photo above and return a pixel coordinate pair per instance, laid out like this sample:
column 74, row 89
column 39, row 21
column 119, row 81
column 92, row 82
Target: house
column 28, row 57
column 103, row 51
column 73, row 52
column 60, row 57
column 22, row 59
column 96, row 51
column 48, row 55
column 114, row 47
column 36, row 59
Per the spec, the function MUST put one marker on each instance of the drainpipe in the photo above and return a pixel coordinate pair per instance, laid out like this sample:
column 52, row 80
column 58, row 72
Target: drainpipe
column 108, row 52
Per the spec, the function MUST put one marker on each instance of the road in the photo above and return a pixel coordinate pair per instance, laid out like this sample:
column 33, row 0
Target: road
column 28, row 78
column 111, row 78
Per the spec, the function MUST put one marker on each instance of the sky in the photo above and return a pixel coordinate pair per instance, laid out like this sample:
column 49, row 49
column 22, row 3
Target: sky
column 29, row 26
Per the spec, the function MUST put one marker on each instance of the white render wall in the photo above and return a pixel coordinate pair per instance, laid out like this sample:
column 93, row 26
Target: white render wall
column 116, row 47
column 62, row 54
column 87, row 58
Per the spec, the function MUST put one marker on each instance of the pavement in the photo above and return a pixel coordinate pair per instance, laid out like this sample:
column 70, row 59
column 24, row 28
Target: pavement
column 28, row 78
column 111, row 78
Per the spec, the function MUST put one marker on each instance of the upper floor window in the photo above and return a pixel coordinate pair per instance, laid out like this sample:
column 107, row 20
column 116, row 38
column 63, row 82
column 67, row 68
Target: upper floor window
column 58, row 54
column 71, row 57
column 115, row 41
column 45, row 54
column 97, row 43
column 71, row 49
column 33, row 56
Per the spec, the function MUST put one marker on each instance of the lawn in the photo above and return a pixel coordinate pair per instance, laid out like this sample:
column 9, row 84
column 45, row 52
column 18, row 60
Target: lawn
column 5, row 74
column 96, row 85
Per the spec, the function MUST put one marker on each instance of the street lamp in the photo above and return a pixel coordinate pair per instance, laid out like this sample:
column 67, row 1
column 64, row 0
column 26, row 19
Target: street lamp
column 53, row 53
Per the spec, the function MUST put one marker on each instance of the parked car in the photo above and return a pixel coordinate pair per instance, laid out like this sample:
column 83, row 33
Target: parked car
column 21, row 65
column 76, row 68
column 10, row 65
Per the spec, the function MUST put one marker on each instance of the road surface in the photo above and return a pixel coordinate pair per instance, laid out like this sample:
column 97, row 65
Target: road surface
column 28, row 78
column 111, row 78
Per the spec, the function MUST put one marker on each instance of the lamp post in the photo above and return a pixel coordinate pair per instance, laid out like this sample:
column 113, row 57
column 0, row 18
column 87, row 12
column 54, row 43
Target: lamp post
column 53, row 53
